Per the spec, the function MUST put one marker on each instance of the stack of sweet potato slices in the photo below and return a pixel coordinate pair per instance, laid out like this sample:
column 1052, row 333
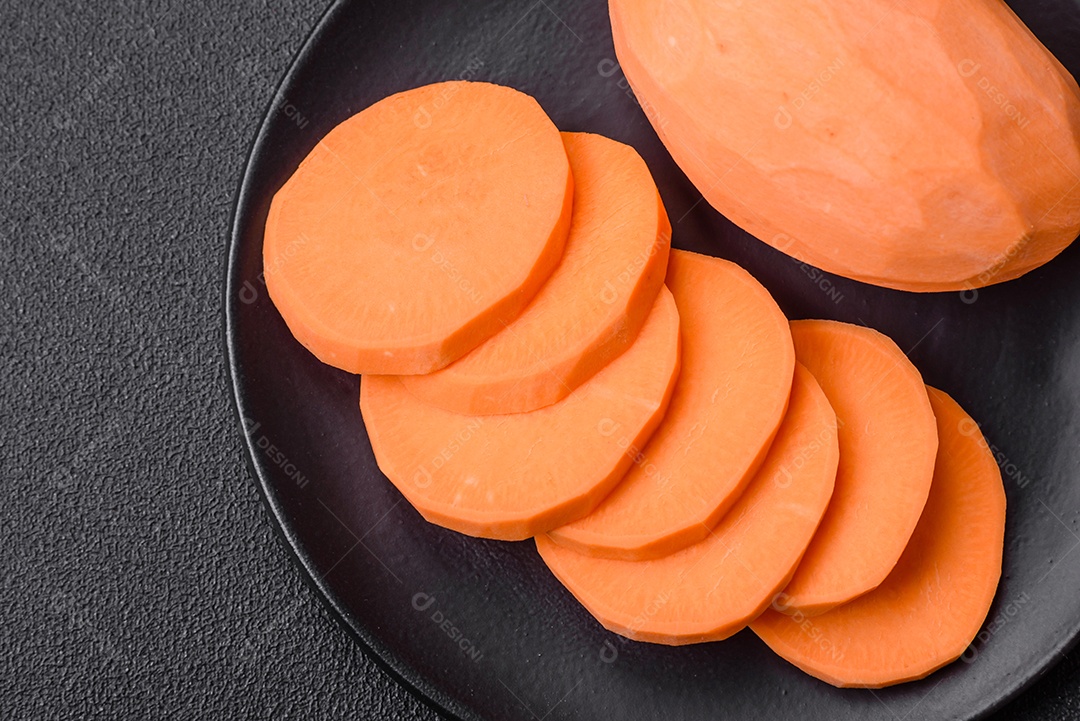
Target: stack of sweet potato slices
column 538, row 363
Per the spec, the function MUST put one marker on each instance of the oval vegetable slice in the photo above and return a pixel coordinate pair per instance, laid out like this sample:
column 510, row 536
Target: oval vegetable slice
column 729, row 401
column 591, row 308
column 419, row 227
column 888, row 442
column 929, row 609
column 513, row 476
column 714, row 588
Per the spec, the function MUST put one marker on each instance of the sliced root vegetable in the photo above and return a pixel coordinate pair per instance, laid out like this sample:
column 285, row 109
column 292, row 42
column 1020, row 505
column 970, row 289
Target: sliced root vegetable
column 419, row 227
column 513, row 476
column 929, row 609
column 714, row 588
column 888, row 441
column 729, row 401
column 591, row 308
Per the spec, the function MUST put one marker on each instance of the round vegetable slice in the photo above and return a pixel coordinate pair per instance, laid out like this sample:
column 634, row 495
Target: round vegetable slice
column 729, row 401
column 714, row 588
column 419, row 227
column 591, row 308
column 513, row 476
column 927, row 612
column 888, row 441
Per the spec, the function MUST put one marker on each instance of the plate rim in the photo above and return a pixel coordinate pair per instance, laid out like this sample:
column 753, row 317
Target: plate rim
column 386, row 658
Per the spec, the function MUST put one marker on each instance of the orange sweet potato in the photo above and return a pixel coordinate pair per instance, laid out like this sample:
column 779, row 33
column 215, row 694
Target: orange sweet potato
column 927, row 145
column 591, row 308
column 513, row 476
column 710, row 590
column 888, row 442
column 733, row 390
column 931, row 606
column 388, row 249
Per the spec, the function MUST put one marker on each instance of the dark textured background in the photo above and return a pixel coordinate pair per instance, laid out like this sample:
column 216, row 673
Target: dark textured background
column 141, row 574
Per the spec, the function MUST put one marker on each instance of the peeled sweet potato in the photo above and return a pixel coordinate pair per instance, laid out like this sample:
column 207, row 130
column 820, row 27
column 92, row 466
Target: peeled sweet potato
column 928, row 145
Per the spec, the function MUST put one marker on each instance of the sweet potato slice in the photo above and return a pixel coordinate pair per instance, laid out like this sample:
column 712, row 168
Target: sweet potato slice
column 888, row 441
column 729, row 401
column 591, row 308
column 926, row 613
column 512, row 476
column 419, row 227
column 710, row 590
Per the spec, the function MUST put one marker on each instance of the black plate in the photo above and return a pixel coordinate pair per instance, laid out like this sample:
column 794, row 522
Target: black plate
column 480, row 628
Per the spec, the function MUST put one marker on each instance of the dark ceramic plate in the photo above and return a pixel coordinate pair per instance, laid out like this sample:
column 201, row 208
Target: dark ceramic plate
column 480, row 628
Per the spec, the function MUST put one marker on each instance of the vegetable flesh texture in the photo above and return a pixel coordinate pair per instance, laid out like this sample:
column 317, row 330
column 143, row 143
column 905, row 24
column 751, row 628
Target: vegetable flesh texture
column 925, row 146
column 513, row 476
column 710, row 590
column 931, row 606
column 591, row 308
column 729, row 400
column 418, row 227
column 888, row 442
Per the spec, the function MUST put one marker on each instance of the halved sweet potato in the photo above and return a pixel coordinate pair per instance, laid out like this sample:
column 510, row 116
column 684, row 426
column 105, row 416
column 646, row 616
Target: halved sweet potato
column 925, row 145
